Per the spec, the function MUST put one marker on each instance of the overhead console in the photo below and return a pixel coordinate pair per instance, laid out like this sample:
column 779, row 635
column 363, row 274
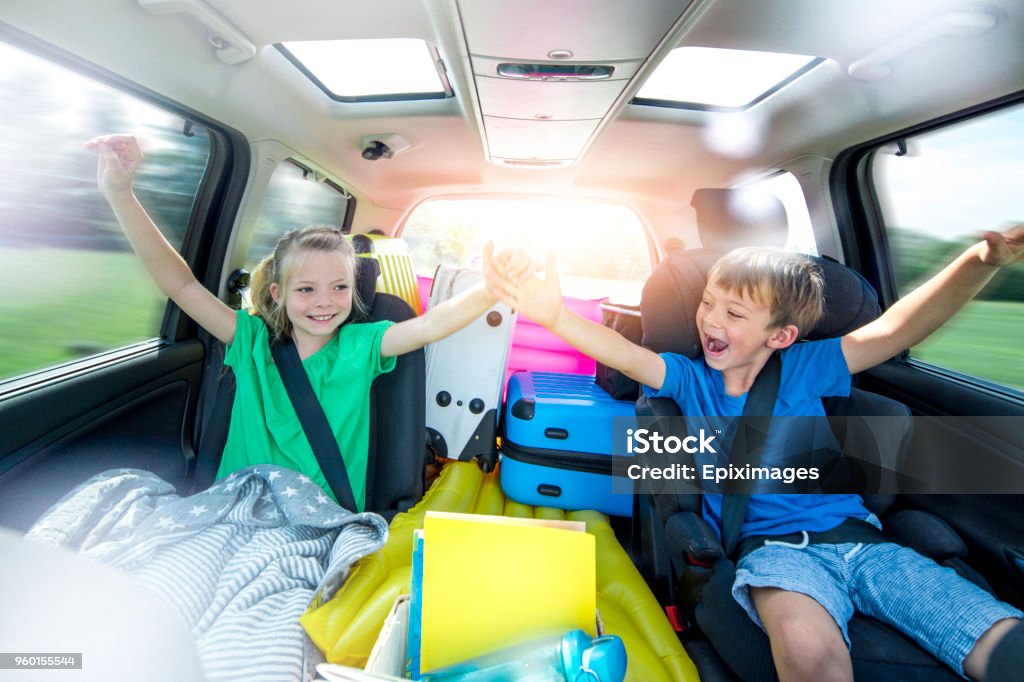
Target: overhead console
column 548, row 75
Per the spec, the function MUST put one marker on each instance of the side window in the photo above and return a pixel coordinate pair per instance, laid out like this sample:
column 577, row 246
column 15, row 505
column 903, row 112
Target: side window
column 786, row 187
column 602, row 248
column 71, row 285
column 938, row 191
column 295, row 198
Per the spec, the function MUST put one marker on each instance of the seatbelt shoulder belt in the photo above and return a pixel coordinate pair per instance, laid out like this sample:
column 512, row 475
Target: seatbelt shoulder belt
column 314, row 421
column 748, row 445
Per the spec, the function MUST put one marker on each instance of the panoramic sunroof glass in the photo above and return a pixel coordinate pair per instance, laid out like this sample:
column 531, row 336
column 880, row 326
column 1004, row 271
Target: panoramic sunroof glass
column 370, row 70
column 705, row 77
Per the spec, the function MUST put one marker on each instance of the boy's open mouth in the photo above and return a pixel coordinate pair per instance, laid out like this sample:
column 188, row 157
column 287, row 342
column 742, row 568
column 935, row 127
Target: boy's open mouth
column 715, row 346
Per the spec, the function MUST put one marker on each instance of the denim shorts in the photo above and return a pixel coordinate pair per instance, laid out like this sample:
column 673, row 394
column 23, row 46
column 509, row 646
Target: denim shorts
column 932, row 604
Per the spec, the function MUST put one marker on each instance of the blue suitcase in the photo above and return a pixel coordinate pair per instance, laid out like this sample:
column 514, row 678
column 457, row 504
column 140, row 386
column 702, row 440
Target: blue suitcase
column 557, row 443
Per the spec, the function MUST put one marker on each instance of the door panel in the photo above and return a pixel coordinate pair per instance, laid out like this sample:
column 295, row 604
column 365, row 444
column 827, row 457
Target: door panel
column 135, row 414
column 987, row 448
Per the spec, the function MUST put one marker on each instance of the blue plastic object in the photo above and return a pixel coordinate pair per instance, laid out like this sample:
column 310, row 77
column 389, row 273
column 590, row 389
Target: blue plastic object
column 572, row 657
column 558, row 443
column 562, row 412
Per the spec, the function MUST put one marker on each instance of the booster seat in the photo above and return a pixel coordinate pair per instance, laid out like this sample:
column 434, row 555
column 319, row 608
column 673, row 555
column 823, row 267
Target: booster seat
column 397, row 408
column 679, row 549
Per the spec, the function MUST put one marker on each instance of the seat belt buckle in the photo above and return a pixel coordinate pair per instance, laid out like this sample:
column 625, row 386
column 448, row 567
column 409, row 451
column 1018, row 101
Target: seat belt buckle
column 692, row 560
column 673, row 618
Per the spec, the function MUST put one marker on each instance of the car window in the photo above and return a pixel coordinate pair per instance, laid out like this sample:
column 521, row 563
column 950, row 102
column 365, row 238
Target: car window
column 786, row 187
column 295, row 197
column 938, row 192
column 72, row 287
column 602, row 248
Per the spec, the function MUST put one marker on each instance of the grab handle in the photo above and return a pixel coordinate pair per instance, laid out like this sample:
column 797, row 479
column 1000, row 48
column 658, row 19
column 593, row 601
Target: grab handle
column 231, row 44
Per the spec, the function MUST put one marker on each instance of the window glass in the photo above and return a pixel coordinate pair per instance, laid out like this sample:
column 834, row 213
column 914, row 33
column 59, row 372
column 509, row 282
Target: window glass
column 693, row 77
column 402, row 68
column 602, row 248
column 72, row 286
column 938, row 191
column 787, row 188
column 296, row 197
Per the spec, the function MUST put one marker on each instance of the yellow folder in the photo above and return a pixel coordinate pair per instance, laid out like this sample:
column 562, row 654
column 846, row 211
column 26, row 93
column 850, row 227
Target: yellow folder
column 490, row 582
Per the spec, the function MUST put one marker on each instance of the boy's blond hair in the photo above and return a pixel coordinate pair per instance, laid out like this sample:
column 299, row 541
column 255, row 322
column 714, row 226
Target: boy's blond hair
column 790, row 284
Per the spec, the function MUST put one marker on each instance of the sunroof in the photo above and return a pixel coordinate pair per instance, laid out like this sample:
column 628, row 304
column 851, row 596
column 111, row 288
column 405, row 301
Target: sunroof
column 712, row 78
column 371, row 70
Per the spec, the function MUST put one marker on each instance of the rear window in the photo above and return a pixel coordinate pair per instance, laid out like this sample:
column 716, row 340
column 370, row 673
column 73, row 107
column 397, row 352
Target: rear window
column 602, row 248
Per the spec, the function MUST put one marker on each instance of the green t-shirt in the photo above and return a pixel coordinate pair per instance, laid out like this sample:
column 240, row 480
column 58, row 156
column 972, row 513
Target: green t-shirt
column 264, row 427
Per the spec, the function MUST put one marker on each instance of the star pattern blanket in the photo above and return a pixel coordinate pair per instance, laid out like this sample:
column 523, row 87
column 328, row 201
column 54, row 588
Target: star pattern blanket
column 240, row 561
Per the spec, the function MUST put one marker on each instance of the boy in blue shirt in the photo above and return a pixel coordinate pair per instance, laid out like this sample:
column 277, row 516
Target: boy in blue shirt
column 761, row 301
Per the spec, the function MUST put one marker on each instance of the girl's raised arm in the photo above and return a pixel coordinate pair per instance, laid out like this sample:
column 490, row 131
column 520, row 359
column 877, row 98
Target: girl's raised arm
column 500, row 272
column 119, row 156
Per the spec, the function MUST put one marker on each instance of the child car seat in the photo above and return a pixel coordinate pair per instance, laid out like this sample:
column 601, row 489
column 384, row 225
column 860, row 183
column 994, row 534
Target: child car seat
column 397, row 411
column 680, row 551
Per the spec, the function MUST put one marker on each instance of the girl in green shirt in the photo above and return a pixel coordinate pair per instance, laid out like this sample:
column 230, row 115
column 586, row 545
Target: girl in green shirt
column 305, row 291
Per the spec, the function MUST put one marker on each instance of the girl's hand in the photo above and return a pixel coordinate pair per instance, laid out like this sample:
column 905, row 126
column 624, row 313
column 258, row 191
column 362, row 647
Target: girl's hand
column 119, row 156
column 504, row 270
column 539, row 299
column 1003, row 248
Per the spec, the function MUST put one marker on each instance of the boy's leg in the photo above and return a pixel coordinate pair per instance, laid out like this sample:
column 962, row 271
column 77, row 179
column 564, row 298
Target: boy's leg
column 800, row 599
column 806, row 642
column 947, row 614
column 1006, row 658
column 976, row 663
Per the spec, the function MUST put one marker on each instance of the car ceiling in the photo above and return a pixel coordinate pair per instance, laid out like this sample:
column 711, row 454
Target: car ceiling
column 648, row 157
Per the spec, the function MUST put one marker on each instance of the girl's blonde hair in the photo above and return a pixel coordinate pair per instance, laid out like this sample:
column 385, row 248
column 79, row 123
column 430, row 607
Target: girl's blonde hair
column 277, row 267
column 790, row 284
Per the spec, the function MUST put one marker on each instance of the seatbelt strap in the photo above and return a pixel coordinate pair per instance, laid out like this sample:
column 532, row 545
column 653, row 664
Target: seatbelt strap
column 314, row 421
column 747, row 447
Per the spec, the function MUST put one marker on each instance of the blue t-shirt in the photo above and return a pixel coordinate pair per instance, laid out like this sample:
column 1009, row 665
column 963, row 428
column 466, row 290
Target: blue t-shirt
column 810, row 371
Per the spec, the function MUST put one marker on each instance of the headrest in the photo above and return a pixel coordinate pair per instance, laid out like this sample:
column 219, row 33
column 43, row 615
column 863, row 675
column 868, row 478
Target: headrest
column 367, row 269
column 730, row 218
column 850, row 300
column 668, row 305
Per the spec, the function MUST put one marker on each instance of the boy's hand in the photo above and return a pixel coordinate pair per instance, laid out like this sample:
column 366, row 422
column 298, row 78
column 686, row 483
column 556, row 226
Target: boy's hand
column 1003, row 248
column 119, row 156
column 503, row 271
column 540, row 299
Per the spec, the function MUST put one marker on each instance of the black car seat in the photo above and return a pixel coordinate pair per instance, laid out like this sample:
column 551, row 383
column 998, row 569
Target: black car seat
column 397, row 452
column 679, row 551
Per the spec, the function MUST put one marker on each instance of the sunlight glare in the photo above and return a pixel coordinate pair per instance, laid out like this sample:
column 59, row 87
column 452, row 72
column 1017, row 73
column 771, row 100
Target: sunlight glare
column 735, row 135
column 601, row 247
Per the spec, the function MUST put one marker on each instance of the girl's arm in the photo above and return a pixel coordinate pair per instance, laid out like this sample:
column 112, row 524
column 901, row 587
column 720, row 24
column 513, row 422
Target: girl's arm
column 915, row 316
column 119, row 156
column 458, row 311
column 541, row 300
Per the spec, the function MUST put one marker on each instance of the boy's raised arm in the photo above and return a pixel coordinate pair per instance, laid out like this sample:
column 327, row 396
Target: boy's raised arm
column 915, row 316
column 541, row 300
column 119, row 156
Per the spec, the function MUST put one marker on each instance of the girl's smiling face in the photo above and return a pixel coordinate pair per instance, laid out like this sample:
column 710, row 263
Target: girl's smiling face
column 317, row 297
